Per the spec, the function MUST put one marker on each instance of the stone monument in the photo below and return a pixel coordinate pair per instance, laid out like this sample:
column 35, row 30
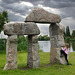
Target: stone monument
column 14, row 29
column 37, row 15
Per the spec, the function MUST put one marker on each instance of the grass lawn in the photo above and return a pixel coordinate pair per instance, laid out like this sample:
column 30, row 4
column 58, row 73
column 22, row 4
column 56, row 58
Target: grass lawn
column 56, row 69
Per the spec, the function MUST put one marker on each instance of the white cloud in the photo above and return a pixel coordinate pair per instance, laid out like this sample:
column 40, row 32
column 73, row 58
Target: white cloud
column 8, row 10
column 20, row 15
column 19, row 7
column 68, row 21
column 0, row 0
column 44, row 28
column 2, row 35
column 1, row 9
column 49, row 9
column 22, row 3
column 29, row 10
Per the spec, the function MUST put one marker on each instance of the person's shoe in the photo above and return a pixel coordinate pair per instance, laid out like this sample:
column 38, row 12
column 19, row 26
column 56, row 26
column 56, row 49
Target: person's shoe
column 68, row 64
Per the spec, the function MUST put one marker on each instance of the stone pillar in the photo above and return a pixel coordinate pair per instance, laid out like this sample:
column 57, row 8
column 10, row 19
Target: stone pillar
column 57, row 40
column 33, row 60
column 11, row 52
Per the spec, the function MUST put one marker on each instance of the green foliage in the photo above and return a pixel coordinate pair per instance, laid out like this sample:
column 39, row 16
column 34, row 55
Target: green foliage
column 2, row 44
column 64, row 35
column 72, row 40
column 46, row 38
column 67, row 31
column 73, row 45
column 43, row 38
column 67, row 35
column 67, row 39
column 22, row 43
column 40, row 37
column 73, row 34
column 3, row 19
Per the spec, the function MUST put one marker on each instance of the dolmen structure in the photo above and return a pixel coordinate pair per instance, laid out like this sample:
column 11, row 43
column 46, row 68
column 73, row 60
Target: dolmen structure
column 37, row 15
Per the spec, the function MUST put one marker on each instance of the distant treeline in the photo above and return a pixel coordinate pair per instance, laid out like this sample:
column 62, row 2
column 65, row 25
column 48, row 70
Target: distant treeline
column 67, row 34
column 43, row 38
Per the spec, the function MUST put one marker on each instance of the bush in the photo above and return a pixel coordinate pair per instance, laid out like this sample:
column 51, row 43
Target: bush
column 67, row 39
column 43, row 38
column 2, row 44
column 22, row 43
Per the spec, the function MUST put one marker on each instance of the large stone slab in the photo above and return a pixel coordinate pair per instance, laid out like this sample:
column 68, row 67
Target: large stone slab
column 11, row 53
column 39, row 15
column 28, row 28
column 57, row 40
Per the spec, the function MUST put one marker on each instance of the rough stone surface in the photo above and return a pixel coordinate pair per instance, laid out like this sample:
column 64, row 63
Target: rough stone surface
column 28, row 28
column 57, row 40
column 39, row 15
column 11, row 53
column 33, row 60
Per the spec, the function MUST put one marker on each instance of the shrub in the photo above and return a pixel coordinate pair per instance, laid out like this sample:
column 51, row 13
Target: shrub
column 67, row 39
column 22, row 43
column 2, row 44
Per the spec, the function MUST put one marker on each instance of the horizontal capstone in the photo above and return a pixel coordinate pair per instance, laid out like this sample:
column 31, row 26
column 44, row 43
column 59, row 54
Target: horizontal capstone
column 28, row 28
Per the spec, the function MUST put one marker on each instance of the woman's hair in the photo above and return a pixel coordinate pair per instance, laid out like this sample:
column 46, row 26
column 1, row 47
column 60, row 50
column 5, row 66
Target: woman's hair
column 67, row 45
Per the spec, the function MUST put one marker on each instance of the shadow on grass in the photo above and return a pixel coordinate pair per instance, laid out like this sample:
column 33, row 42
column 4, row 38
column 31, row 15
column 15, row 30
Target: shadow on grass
column 24, row 68
column 57, row 65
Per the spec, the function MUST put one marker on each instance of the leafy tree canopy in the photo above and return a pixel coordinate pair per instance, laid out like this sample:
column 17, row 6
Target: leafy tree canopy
column 67, row 31
column 43, row 38
column 73, row 33
column 3, row 19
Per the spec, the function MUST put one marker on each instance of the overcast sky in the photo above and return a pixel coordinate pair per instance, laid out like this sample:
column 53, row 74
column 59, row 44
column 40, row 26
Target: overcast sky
column 19, row 9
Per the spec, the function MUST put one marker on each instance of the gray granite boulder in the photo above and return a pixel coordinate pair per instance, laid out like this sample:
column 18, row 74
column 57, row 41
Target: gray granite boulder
column 39, row 15
column 28, row 28
column 57, row 40
column 11, row 53
column 33, row 59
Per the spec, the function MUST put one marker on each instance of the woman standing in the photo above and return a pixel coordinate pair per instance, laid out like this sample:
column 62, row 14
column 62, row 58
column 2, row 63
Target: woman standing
column 65, row 52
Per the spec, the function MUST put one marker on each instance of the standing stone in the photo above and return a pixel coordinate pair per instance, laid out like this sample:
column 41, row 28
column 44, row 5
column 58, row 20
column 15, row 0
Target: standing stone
column 11, row 53
column 33, row 60
column 57, row 40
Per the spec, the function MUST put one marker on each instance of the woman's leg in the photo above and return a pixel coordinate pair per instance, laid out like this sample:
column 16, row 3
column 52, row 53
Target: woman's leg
column 66, row 58
column 61, row 52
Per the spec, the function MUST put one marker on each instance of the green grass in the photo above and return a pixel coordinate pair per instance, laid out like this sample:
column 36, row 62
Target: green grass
column 56, row 69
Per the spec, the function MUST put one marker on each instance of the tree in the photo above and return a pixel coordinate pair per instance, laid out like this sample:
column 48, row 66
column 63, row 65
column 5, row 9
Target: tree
column 22, row 43
column 64, row 35
column 67, row 31
column 73, row 33
column 46, row 38
column 39, row 38
column 3, row 19
column 43, row 38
